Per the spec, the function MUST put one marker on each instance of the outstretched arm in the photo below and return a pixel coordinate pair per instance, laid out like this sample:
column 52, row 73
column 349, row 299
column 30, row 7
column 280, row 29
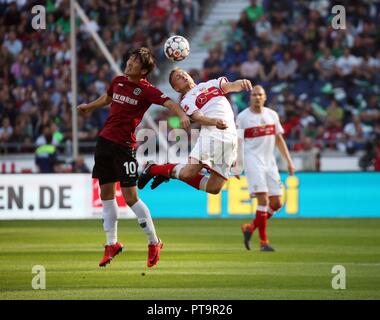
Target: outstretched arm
column 282, row 147
column 185, row 121
column 207, row 121
column 236, row 86
column 96, row 104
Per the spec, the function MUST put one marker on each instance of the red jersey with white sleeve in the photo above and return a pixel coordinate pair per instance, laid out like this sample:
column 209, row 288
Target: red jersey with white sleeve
column 208, row 98
column 129, row 103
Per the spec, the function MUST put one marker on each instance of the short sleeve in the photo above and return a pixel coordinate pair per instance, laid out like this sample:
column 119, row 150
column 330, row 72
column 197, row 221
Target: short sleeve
column 279, row 128
column 188, row 107
column 218, row 83
column 156, row 96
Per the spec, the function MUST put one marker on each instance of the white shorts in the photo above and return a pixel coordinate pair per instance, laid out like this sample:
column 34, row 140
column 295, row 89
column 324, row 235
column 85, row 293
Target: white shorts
column 263, row 180
column 215, row 154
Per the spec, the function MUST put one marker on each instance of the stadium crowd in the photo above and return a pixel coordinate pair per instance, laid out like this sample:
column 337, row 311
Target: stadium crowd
column 324, row 82
column 35, row 85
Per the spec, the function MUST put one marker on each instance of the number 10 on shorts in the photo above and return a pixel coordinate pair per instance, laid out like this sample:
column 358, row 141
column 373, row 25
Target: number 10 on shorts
column 130, row 168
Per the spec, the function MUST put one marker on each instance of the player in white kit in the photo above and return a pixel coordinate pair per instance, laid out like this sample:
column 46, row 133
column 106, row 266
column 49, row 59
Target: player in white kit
column 262, row 133
column 216, row 147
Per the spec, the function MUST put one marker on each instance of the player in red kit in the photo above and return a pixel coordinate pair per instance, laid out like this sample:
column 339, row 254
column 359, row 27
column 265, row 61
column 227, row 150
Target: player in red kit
column 130, row 96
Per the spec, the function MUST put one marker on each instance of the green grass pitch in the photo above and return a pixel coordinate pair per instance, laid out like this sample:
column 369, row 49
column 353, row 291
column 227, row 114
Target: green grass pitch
column 201, row 259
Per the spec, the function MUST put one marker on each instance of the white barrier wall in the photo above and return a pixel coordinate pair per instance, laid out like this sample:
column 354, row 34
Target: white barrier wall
column 51, row 196
column 76, row 196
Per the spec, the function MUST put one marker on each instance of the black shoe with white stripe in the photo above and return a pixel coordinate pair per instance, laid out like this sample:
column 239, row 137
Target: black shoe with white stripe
column 145, row 176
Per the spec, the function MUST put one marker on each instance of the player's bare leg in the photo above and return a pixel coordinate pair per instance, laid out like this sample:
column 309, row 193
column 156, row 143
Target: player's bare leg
column 274, row 205
column 146, row 223
column 215, row 183
column 112, row 247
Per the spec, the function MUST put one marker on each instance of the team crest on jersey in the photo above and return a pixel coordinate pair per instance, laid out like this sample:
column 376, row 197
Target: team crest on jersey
column 202, row 99
column 137, row 91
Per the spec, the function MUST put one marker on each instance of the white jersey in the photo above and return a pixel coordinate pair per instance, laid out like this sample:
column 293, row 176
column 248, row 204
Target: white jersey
column 208, row 98
column 260, row 130
column 216, row 149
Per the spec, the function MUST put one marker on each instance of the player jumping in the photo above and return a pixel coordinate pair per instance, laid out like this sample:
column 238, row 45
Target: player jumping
column 130, row 96
column 262, row 132
column 216, row 147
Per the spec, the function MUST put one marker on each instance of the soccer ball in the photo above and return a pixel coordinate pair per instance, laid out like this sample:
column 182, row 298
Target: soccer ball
column 176, row 48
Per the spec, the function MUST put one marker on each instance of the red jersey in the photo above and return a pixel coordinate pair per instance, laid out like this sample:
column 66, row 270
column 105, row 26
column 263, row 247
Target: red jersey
column 129, row 103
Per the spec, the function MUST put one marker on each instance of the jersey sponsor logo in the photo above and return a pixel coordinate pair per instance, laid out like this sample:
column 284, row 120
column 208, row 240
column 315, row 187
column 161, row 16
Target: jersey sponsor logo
column 121, row 99
column 206, row 95
column 137, row 91
column 186, row 108
column 260, row 131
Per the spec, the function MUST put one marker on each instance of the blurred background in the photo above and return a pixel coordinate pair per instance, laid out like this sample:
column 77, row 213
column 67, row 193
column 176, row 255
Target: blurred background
column 324, row 82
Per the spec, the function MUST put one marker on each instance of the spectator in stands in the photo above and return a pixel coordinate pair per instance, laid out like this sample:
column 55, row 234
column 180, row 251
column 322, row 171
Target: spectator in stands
column 325, row 65
column 346, row 67
column 263, row 28
column 269, row 69
column 334, row 115
column 234, row 54
column 46, row 155
column 6, row 131
column 368, row 67
column 79, row 166
column 310, row 155
column 212, row 66
column 251, row 68
column 371, row 114
column 286, row 69
column 13, row 45
column 245, row 25
column 306, row 70
column 254, row 11
column 356, row 134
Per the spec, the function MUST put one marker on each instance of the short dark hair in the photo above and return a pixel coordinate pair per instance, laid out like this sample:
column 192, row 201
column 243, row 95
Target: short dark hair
column 148, row 62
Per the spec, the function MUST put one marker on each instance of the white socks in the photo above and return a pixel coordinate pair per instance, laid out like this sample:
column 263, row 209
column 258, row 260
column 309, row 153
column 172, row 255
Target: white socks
column 145, row 220
column 203, row 184
column 110, row 220
column 177, row 170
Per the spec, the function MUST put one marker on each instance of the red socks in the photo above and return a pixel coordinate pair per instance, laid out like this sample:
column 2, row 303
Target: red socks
column 167, row 169
column 163, row 170
column 261, row 223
